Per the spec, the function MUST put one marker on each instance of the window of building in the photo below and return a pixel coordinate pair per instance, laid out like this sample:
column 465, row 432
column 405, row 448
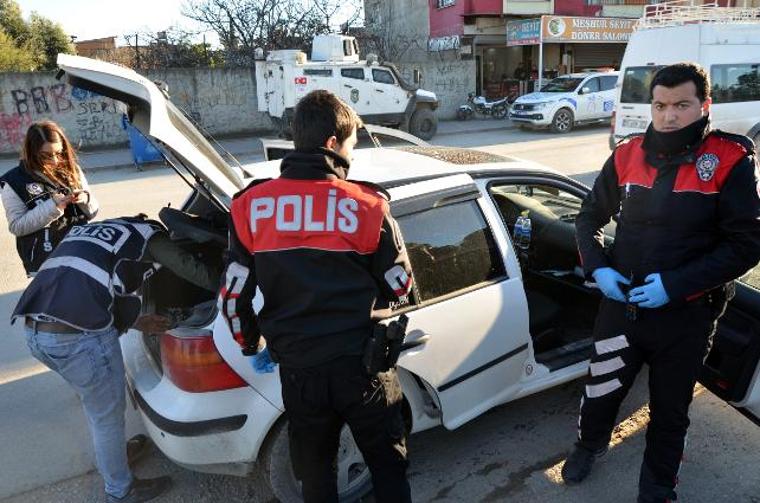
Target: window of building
column 451, row 248
column 445, row 3
column 382, row 76
column 353, row 73
column 735, row 83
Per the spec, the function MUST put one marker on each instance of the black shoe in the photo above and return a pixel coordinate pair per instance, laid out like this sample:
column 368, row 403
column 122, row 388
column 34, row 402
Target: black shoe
column 137, row 447
column 143, row 490
column 578, row 465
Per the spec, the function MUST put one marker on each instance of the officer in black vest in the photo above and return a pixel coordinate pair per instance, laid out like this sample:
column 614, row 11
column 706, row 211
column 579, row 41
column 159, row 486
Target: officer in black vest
column 74, row 309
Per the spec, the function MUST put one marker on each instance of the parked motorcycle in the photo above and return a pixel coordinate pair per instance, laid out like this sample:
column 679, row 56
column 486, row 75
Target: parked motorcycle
column 478, row 105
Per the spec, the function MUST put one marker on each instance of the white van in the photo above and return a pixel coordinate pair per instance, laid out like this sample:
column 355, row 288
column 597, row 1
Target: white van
column 724, row 40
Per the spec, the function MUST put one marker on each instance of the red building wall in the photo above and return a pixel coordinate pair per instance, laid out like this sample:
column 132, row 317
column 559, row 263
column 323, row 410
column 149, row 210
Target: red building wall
column 575, row 8
column 446, row 21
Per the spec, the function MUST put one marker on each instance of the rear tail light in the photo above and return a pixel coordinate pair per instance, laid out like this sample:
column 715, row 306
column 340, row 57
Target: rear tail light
column 193, row 363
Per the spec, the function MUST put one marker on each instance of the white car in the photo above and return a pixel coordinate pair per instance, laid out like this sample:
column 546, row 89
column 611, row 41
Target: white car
column 568, row 100
column 488, row 330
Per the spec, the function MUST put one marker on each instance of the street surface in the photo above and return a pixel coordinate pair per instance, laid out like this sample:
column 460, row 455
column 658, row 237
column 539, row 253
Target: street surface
column 511, row 453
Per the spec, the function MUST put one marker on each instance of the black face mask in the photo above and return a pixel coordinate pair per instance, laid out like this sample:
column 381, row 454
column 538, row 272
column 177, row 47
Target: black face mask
column 676, row 142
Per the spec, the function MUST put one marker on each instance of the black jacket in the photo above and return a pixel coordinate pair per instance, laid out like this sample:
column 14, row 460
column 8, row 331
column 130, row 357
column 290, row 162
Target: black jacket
column 34, row 248
column 326, row 255
column 692, row 216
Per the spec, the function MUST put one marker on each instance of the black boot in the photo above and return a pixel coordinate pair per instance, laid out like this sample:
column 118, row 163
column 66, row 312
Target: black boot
column 578, row 465
column 143, row 490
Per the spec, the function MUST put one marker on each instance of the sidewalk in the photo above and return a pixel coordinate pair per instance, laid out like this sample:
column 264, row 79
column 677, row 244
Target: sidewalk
column 248, row 149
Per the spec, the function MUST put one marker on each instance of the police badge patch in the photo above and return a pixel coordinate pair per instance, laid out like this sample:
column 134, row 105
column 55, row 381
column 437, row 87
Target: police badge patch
column 706, row 166
column 35, row 189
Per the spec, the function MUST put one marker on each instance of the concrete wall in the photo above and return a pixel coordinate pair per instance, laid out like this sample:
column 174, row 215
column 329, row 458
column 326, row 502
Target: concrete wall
column 403, row 24
column 223, row 101
column 449, row 80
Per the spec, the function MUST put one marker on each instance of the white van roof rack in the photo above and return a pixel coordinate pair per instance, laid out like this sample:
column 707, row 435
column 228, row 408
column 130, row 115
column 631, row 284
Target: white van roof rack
column 681, row 12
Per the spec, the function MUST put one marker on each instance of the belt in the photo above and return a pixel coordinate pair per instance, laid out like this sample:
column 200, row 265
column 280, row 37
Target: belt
column 51, row 326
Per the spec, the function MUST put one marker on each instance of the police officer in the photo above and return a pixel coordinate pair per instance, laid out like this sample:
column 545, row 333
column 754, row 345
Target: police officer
column 688, row 225
column 74, row 310
column 328, row 258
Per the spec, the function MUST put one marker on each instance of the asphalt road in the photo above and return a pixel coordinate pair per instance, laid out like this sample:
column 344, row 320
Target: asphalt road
column 509, row 454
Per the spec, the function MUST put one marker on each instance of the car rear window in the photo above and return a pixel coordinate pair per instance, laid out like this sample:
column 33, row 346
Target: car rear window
column 735, row 83
column 636, row 80
column 451, row 248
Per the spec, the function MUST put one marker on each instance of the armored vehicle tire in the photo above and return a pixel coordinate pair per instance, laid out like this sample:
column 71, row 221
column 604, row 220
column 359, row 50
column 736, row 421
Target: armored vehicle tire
column 563, row 121
column 423, row 124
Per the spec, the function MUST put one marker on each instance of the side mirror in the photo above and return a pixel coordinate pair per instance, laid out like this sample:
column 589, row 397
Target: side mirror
column 417, row 77
column 585, row 90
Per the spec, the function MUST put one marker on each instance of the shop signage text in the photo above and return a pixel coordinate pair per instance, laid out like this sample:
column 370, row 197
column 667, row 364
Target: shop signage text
column 586, row 29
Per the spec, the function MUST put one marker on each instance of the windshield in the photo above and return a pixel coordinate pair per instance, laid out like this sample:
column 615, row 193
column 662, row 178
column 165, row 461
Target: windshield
column 561, row 85
column 636, row 82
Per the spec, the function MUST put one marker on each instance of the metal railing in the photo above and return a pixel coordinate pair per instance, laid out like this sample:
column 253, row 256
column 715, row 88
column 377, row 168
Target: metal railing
column 680, row 12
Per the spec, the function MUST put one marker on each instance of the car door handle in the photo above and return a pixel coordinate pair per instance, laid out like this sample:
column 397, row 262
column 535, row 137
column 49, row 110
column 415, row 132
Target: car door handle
column 379, row 90
column 348, row 86
column 626, row 108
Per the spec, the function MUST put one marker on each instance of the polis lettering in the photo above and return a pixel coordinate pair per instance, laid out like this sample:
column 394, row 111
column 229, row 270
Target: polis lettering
column 293, row 213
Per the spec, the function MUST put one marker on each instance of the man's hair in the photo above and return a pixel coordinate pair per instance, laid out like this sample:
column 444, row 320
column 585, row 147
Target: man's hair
column 320, row 115
column 680, row 73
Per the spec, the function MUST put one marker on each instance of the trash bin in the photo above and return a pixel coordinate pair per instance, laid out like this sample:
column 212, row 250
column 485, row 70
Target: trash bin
column 142, row 149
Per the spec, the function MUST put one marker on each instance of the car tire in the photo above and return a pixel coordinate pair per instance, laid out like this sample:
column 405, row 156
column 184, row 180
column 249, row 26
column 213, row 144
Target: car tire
column 287, row 489
column 423, row 124
column 500, row 112
column 563, row 121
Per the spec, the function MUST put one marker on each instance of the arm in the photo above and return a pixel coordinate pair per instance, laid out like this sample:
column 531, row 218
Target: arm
column 89, row 206
column 236, row 296
column 22, row 220
column 598, row 207
column 181, row 262
column 738, row 249
column 390, row 263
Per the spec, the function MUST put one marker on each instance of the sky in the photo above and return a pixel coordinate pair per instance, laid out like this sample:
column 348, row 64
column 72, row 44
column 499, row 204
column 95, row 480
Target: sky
column 88, row 19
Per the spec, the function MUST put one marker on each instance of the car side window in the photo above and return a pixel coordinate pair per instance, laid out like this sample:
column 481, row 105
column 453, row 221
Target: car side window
column 592, row 84
column 608, row 82
column 451, row 248
column 382, row 76
column 353, row 73
column 735, row 83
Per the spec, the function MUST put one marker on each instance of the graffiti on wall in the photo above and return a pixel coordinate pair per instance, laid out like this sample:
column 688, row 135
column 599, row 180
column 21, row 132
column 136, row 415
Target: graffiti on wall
column 87, row 117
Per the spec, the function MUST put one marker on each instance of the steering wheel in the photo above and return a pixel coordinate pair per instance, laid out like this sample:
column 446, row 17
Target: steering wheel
column 191, row 227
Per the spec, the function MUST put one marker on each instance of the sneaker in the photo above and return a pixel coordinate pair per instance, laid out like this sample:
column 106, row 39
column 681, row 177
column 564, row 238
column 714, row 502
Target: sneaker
column 143, row 490
column 137, row 447
column 578, row 465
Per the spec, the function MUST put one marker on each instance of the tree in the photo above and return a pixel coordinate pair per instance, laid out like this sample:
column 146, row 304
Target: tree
column 12, row 22
column 384, row 34
column 12, row 58
column 244, row 25
column 46, row 40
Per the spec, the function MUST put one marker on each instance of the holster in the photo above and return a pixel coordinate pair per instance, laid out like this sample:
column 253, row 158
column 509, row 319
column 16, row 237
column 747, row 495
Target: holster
column 718, row 298
column 383, row 347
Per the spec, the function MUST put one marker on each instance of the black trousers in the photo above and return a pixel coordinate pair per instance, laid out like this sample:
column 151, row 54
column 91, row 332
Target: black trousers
column 319, row 401
column 673, row 341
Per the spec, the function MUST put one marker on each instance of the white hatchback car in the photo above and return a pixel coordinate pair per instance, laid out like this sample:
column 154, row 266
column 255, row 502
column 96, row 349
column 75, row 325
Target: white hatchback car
column 568, row 100
column 489, row 330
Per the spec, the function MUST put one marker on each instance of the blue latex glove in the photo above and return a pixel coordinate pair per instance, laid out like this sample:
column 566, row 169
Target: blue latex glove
column 262, row 363
column 651, row 294
column 607, row 280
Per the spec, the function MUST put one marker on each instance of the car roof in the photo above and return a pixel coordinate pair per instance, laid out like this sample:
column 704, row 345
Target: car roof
column 394, row 166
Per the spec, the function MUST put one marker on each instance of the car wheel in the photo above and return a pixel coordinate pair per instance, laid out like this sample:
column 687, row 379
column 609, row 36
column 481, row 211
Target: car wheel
column 423, row 124
column 562, row 121
column 500, row 112
column 354, row 480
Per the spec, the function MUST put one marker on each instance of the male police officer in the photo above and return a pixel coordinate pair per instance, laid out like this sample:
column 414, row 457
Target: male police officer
column 75, row 308
column 327, row 256
column 688, row 225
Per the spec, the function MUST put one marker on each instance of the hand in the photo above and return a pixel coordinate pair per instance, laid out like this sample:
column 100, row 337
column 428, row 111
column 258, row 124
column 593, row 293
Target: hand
column 80, row 197
column 152, row 323
column 607, row 280
column 651, row 294
column 62, row 200
column 262, row 363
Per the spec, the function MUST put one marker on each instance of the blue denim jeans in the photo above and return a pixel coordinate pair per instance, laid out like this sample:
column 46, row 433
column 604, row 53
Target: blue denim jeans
column 92, row 364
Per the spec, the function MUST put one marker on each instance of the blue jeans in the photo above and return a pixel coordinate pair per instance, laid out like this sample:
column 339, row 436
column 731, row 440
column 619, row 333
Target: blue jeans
column 92, row 364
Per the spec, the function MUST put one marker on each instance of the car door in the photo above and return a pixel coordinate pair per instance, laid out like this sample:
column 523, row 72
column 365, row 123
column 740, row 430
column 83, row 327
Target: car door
column 732, row 369
column 354, row 90
column 607, row 94
column 387, row 96
column 589, row 100
column 470, row 309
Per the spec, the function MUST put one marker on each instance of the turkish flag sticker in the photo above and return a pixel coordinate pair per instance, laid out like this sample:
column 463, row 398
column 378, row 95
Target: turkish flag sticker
column 301, row 80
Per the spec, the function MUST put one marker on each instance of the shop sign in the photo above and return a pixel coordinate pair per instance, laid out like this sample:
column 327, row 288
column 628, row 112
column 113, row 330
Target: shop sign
column 586, row 29
column 449, row 43
column 524, row 32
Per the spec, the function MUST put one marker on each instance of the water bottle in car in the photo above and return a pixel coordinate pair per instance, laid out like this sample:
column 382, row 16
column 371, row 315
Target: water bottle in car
column 517, row 233
column 527, row 228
